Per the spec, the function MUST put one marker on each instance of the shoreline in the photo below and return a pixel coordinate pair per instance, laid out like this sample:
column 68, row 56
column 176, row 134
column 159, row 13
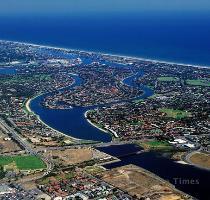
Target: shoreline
column 122, row 81
column 85, row 114
column 110, row 132
column 103, row 130
column 27, row 105
column 188, row 161
column 110, row 54
column 38, row 117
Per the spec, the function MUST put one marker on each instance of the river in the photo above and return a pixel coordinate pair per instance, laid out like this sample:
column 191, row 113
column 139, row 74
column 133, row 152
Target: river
column 186, row 178
column 72, row 122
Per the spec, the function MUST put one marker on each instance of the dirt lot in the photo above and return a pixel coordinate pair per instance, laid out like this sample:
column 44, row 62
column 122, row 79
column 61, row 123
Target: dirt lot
column 141, row 183
column 71, row 156
column 7, row 146
column 201, row 159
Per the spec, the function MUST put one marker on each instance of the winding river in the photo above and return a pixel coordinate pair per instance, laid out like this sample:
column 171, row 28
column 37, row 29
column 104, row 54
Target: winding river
column 72, row 122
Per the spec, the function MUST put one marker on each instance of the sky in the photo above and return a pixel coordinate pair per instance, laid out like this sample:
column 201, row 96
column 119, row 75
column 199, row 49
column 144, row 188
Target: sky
column 85, row 7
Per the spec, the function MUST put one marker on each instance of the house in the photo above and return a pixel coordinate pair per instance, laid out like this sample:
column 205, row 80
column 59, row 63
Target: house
column 5, row 189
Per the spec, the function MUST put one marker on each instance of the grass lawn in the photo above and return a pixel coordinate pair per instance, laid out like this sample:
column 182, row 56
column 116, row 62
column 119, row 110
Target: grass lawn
column 22, row 79
column 23, row 162
column 94, row 170
column 176, row 114
column 168, row 78
column 198, row 82
column 137, row 123
column 56, row 177
column 157, row 145
column 138, row 101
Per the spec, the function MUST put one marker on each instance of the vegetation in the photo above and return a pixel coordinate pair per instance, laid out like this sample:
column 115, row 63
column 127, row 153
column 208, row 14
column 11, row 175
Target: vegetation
column 94, row 170
column 23, row 162
column 56, row 177
column 198, row 82
column 138, row 101
column 138, row 123
column 22, row 79
column 156, row 145
column 176, row 114
column 168, row 78
column 2, row 173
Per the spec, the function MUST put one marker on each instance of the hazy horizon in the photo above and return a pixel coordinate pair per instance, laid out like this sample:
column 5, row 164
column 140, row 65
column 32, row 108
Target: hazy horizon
column 81, row 7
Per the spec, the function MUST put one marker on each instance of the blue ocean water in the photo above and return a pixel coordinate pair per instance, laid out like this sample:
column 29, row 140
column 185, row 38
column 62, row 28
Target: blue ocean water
column 183, row 38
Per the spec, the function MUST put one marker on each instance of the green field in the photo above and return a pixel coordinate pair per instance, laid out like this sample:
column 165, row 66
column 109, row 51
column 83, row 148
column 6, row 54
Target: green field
column 156, row 145
column 23, row 162
column 94, row 170
column 176, row 114
column 19, row 79
column 137, row 123
column 168, row 79
column 198, row 82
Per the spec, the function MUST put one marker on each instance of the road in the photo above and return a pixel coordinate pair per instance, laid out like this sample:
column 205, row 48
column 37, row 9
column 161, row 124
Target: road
column 88, row 145
column 24, row 144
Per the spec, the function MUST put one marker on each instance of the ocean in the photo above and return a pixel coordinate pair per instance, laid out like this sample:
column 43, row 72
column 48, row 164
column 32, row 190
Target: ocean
column 181, row 38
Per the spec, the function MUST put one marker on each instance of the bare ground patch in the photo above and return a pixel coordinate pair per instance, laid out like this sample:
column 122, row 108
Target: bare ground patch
column 201, row 159
column 71, row 156
column 141, row 183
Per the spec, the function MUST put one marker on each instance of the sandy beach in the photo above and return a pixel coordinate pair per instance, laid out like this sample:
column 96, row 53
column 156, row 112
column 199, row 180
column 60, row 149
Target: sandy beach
column 28, row 105
column 93, row 123
column 104, row 130
column 110, row 54
column 38, row 117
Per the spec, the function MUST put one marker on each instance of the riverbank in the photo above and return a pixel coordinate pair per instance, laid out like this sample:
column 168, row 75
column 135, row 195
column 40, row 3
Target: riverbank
column 110, row 54
column 101, row 129
column 138, row 181
column 198, row 159
column 27, row 105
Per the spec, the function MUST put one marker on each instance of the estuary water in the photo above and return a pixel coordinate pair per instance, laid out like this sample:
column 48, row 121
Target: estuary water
column 186, row 178
column 72, row 121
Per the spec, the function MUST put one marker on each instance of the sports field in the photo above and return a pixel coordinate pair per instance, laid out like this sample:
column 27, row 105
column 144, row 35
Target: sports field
column 156, row 145
column 176, row 114
column 24, row 162
column 198, row 82
column 168, row 79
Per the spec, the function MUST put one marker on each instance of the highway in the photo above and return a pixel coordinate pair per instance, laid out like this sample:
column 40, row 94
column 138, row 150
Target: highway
column 88, row 145
column 15, row 136
column 24, row 144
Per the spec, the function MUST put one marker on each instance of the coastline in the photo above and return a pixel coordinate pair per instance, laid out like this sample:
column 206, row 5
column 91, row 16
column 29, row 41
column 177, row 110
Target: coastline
column 110, row 54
